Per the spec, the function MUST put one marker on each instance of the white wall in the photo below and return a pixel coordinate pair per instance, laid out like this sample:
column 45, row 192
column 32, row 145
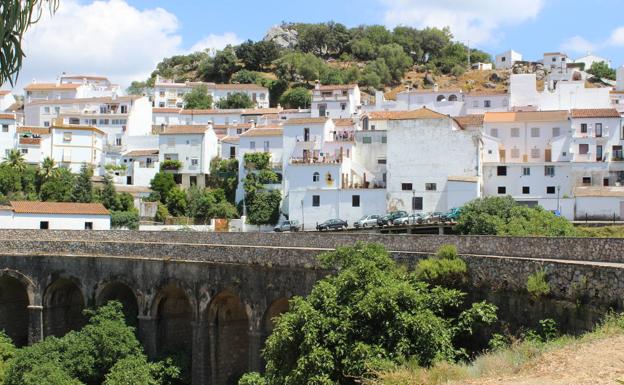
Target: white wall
column 620, row 79
column 140, row 118
column 598, row 208
column 56, row 221
column 566, row 96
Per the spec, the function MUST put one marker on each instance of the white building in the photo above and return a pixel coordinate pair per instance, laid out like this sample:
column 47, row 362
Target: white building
column 194, row 147
column 8, row 127
column 140, row 167
column 54, row 216
column 507, row 59
column 335, row 101
column 71, row 87
column 590, row 59
column 6, row 100
column 555, row 60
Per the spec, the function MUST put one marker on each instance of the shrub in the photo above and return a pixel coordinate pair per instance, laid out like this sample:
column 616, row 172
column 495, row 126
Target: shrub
column 125, row 219
column 170, row 165
column 457, row 71
column 447, row 251
column 445, row 268
column 537, row 284
column 161, row 213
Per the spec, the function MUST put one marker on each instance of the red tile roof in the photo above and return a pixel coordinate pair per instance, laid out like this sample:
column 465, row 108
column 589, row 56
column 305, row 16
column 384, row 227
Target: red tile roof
column 50, row 86
column 469, row 120
column 595, row 113
column 7, row 116
column 136, row 153
column 525, row 116
column 161, row 110
column 296, row 121
column 33, row 207
column 185, row 129
column 421, row 113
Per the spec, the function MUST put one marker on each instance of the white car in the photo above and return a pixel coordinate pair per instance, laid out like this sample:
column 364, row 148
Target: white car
column 412, row 219
column 366, row 221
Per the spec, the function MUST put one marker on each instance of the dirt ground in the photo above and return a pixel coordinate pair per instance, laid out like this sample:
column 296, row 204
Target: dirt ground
column 599, row 362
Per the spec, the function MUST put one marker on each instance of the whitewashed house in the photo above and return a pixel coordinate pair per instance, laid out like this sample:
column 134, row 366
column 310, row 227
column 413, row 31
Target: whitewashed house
column 507, row 59
column 335, row 101
column 555, row 60
column 71, row 87
column 8, row 127
column 480, row 102
column 54, row 216
column 446, row 101
column 140, row 167
column 6, row 100
column 194, row 147
column 590, row 59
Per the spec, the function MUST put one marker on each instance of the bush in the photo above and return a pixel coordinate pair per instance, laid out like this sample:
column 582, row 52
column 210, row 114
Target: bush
column 161, row 213
column 444, row 269
column 447, row 251
column 171, row 165
column 537, row 284
column 458, row 70
column 298, row 97
column 125, row 219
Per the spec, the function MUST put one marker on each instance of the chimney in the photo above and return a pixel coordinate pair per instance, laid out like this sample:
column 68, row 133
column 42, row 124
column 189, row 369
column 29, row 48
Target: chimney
column 317, row 85
column 436, row 88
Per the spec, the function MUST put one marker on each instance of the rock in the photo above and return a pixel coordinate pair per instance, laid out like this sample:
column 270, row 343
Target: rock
column 282, row 36
column 429, row 80
column 540, row 74
column 495, row 78
column 489, row 85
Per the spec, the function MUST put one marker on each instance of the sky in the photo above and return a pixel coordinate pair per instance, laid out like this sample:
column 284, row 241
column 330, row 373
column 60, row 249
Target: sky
column 125, row 39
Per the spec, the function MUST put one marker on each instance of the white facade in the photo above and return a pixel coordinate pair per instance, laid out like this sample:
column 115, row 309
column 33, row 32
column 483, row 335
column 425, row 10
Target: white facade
column 507, row 59
column 7, row 134
column 54, row 216
column 6, row 100
column 555, row 60
column 71, row 87
column 590, row 59
column 619, row 75
column 336, row 101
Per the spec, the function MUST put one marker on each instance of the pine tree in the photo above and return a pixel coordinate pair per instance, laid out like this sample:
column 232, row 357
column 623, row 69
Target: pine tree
column 83, row 191
column 108, row 195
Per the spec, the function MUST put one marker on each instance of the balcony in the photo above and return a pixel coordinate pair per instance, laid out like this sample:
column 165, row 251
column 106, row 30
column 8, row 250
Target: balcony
column 30, row 141
column 327, row 159
column 345, row 136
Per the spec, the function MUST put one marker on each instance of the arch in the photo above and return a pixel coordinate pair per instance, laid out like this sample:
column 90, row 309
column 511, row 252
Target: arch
column 229, row 323
column 276, row 308
column 316, row 177
column 63, row 304
column 121, row 292
column 14, row 303
column 174, row 316
column 441, row 98
column 452, row 98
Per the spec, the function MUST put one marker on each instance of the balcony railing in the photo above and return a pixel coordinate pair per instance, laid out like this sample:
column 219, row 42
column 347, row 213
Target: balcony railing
column 344, row 136
column 327, row 159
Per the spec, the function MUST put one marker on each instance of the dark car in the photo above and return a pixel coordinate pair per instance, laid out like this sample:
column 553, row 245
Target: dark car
column 332, row 224
column 288, row 226
column 387, row 219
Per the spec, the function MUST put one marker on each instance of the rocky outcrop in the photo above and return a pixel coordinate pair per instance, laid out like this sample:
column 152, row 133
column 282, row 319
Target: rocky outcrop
column 283, row 36
column 536, row 68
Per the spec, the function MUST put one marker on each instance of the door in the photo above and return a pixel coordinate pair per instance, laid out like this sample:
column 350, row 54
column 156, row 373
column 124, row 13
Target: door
column 548, row 155
column 621, row 210
column 599, row 153
column 306, row 134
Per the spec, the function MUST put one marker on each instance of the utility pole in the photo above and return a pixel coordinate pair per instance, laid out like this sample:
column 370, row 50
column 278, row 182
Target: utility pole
column 302, row 217
column 468, row 54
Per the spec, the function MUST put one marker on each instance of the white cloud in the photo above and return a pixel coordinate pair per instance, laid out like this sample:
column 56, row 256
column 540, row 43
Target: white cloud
column 617, row 37
column 104, row 37
column 476, row 20
column 215, row 42
column 578, row 44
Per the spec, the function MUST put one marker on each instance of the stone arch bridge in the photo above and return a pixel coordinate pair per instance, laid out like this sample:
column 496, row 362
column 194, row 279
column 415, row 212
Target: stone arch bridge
column 216, row 294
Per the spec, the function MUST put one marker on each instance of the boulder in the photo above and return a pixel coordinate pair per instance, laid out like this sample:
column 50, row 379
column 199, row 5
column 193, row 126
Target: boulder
column 282, row 36
column 489, row 85
column 429, row 80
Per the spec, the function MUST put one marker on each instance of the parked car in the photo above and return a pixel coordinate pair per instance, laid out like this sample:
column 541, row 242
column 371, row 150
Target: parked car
column 366, row 221
column 436, row 217
column 287, row 226
column 453, row 214
column 332, row 224
column 412, row 219
column 387, row 219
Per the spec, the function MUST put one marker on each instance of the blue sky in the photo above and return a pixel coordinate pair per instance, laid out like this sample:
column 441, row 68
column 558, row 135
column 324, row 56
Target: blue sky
column 125, row 39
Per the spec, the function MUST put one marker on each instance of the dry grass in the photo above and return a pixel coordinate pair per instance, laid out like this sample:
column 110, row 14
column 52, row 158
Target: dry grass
column 601, row 232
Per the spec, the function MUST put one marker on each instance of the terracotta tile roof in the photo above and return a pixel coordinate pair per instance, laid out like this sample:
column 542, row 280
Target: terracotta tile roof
column 525, row 116
column 296, row 121
column 469, row 120
column 185, row 129
column 421, row 113
column 63, row 126
column 136, row 153
column 617, row 92
column 212, row 112
column 30, row 141
column 4, row 92
column 7, row 116
column 32, row 207
column 230, row 139
column 263, row 131
column 261, row 111
column 161, row 110
column 330, row 87
column 34, row 130
column 432, row 91
column 595, row 113
column 344, row 122
column 234, row 87
column 50, row 87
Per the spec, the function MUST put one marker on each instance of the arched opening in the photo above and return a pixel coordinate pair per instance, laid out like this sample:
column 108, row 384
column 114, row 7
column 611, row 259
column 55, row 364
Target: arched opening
column 174, row 314
column 441, row 98
column 452, row 98
column 278, row 307
column 62, row 310
column 117, row 291
column 14, row 309
column 230, row 330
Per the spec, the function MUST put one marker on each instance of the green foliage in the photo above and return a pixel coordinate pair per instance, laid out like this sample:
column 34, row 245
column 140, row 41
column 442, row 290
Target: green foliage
column 503, row 216
column 537, row 284
column 138, row 88
column 396, row 59
column 162, row 183
column 15, row 18
column 371, row 313
column 297, row 66
column 276, row 89
column 224, row 176
column 205, row 204
column 252, row 379
column 264, row 207
column 7, row 351
column 297, row 97
column 235, row 100
column 444, row 269
column 176, row 202
column 161, row 213
column 125, row 219
column 323, row 39
column 602, row 70
column 257, row 56
column 83, row 189
column 220, row 67
column 59, row 186
column 170, row 164
column 257, row 160
column 198, row 98
column 247, row 77
column 376, row 74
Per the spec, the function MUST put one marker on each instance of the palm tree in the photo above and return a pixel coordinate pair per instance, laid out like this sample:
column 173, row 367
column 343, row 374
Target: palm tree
column 15, row 159
column 47, row 168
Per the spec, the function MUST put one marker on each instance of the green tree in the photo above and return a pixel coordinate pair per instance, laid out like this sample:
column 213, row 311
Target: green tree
column 246, row 77
column 16, row 17
column 7, row 351
column 410, row 39
column 161, row 184
column 259, row 55
column 58, row 187
column 602, row 70
column 125, row 219
column 108, row 194
column 376, row 74
column 15, row 159
column 83, row 189
column 236, row 100
column 176, row 202
column 323, row 39
column 364, row 49
column 138, row 88
column 47, row 168
column 198, row 98
column 396, row 59
column 276, row 89
column 263, row 207
column 161, row 213
column 220, row 68
column 224, row 176
column 371, row 313
column 298, row 97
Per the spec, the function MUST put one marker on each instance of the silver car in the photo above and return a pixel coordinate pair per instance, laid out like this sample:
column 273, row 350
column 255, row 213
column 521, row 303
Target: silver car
column 366, row 221
column 412, row 219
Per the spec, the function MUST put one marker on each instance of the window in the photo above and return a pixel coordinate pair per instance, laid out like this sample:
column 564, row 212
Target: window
column 494, row 132
column 535, row 153
column 44, row 225
column 430, row 186
column 252, row 145
column 550, row 189
column 194, row 162
column 515, row 132
column 384, row 139
column 501, row 170
column 193, row 180
column 46, row 110
column 381, row 161
column 316, row 177
column 367, row 140
column 549, row 170
column 556, row 131
column 583, row 148
column 406, row 186
column 117, row 141
column 232, row 152
column 162, row 93
column 355, row 201
column 599, row 153
column 306, row 134
column 535, row 132
column 74, row 121
column 47, row 124
column 583, row 128
column 598, row 128
column 5, row 128
column 88, row 225
column 452, row 98
column 161, row 104
column 417, row 203
column 503, row 59
column 526, row 171
column 502, row 190
column 515, row 153
column 24, row 151
column 343, row 106
column 129, row 180
column 526, row 189
column 322, row 109
column 587, row 181
column 316, row 200
column 487, row 104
